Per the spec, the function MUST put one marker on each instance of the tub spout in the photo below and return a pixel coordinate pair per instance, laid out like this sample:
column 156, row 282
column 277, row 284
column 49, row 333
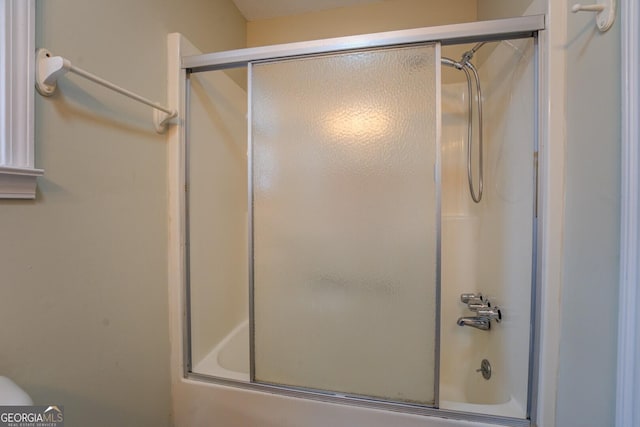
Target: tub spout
column 475, row 322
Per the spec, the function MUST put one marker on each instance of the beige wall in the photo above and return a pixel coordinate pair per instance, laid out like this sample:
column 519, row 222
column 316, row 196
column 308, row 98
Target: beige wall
column 361, row 19
column 83, row 301
column 499, row 9
column 587, row 372
column 386, row 15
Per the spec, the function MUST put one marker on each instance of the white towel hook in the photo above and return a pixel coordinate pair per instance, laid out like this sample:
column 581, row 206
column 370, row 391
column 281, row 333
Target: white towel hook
column 605, row 12
column 49, row 68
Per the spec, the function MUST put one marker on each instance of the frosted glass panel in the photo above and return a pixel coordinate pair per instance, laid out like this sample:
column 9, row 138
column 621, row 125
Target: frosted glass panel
column 345, row 206
column 217, row 181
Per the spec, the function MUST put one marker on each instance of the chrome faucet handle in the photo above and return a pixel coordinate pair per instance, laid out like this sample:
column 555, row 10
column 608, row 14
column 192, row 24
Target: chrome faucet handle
column 478, row 304
column 491, row 313
column 474, row 301
column 466, row 298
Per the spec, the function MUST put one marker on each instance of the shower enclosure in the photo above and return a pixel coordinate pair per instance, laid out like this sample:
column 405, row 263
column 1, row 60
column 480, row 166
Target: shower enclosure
column 360, row 219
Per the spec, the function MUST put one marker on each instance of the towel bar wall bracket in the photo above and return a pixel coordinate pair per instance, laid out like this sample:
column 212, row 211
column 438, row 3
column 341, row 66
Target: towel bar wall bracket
column 49, row 68
column 605, row 11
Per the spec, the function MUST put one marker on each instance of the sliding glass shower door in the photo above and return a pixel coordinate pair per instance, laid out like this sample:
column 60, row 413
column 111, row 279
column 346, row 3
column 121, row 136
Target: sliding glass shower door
column 344, row 194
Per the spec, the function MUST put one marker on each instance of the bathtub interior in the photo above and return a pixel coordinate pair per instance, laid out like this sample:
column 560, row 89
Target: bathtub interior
column 230, row 360
column 471, row 249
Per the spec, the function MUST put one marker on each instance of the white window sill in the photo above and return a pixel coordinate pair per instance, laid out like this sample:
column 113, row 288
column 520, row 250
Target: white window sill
column 18, row 183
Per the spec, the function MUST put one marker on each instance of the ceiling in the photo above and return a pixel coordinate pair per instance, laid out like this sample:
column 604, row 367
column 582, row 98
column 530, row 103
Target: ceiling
column 254, row 10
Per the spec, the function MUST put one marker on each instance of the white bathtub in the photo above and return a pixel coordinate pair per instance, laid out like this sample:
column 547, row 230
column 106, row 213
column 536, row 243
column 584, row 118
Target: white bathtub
column 230, row 360
column 508, row 408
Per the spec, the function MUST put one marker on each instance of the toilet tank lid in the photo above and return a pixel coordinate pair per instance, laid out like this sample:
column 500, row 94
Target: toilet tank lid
column 11, row 394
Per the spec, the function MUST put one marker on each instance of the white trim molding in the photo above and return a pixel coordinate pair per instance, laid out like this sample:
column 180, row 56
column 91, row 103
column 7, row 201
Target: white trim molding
column 628, row 382
column 18, row 183
column 551, row 211
column 17, row 46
